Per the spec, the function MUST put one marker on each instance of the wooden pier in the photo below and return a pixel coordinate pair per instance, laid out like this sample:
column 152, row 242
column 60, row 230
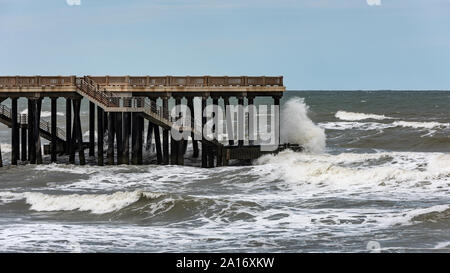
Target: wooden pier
column 120, row 107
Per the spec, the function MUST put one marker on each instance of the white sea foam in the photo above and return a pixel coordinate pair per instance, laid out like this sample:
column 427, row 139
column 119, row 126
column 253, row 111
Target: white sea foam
column 357, row 173
column 367, row 126
column 94, row 203
column 8, row 197
column 353, row 116
column 348, row 125
column 421, row 125
column 298, row 128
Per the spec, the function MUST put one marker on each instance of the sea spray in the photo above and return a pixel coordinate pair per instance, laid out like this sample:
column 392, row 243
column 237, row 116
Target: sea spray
column 298, row 128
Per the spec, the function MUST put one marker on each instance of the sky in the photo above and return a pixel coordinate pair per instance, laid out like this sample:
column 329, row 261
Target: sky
column 314, row 44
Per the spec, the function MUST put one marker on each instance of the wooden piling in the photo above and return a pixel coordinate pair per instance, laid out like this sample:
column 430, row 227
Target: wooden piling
column 111, row 133
column 276, row 102
column 119, row 139
column 69, row 126
column 105, row 121
column 194, row 142
column 140, row 138
column 91, row 129
column 14, row 132
column 159, row 155
column 126, row 137
column 31, row 136
column 166, row 154
column 251, row 121
column 241, row 121
column 229, row 121
column 36, row 131
column 78, row 131
column 148, row 142
column 23, row 147
column 219, row 159
column 136, row 138
column 100, row 136
column 179, row 155
column 204, row 144
column 53, row 129
column 1, row 158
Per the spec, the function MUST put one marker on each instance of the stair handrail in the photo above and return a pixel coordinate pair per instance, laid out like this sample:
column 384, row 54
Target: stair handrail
column 44, row 125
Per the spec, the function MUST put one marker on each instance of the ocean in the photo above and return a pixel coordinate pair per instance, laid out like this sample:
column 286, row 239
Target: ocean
column 375, row 176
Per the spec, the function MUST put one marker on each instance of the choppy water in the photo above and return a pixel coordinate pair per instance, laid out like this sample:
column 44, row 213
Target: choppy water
column 383, row 176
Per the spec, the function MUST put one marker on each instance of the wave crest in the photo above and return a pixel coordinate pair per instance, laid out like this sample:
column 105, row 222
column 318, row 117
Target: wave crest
column 353, row 116
column 94, row 203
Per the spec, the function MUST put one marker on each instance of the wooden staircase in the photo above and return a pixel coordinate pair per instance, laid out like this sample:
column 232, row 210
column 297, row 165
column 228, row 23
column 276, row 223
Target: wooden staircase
column 90, row 90
column 44, row 126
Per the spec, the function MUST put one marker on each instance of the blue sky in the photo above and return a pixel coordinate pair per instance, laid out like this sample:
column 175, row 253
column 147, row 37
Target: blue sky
column 315, row 44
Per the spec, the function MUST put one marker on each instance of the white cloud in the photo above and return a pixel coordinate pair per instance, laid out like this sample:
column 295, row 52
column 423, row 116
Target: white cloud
column 374, row 2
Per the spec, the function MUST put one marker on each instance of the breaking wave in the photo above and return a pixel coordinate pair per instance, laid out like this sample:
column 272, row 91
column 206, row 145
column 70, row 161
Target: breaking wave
column 353, row 116
column 421, row 125
column 94, row 203
column 298, row 128
column 352, row 173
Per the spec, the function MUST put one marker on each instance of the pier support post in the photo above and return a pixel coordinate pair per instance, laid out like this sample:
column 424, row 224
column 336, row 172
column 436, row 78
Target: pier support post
column 159, row 156
column 91, row 129
column 30, row 125
column 14, row 132
column 100, row 136
column 111, row 133
column 136, row 139
column 251, row 121
column 148, row 142
column 229, row 121
column 53, row 129
column 241, row 121
column 1, row 158
column 166, row 132
column 119, row 139
column 23, row 148
column 105, row 121
column 36, row 131
column 219, row 159
column 173, row 151
column 69, row 126
column 194, row 142
column 276, row 102
column 126, row 137
column 211, row 157
column 180, row 152
column 78, row 131
column 179, row 143
column 139, row 138
column 204, row 144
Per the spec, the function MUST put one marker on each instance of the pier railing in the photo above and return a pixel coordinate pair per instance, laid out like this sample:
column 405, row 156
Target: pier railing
column 92, row 89
column 23, row 120
column 36, row 81
column 141, row 81
column 197, row 81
